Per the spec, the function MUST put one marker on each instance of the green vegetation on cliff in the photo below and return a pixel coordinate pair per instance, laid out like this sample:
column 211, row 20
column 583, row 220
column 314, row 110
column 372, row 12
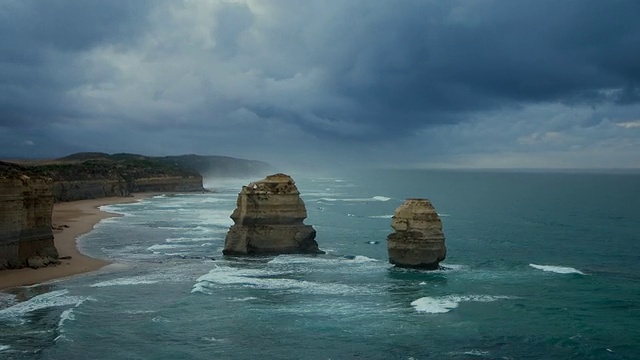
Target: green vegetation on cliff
column 93, row 174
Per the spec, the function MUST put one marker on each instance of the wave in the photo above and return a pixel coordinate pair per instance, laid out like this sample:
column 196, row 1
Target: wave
column 66, row 315
column 188, row 239
column 158, row 247
column 557, row 269
column 4, row 347
column 375, row 198
column 51, row 299
column 444, row 304
column 293, row 259
column 381, row 216
column 136, row 280
column 361, row 258
column 248, row 298
column 267, row 280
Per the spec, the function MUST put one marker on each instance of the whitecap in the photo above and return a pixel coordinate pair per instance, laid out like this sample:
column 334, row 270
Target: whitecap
column 381, row 216
column 160, row 319
column 557, row 269
column 4, row 347
column 136, row 280
column 375, row 198
column 476, row 353
column 444, row 304
column 248, row 298
column 188, row 239
column 361, row 258
column 443, row 214
column 157, row 247
column 266, row 279
column 450, row 267
column 136, row 312
column 51, row 299
column 66, row 315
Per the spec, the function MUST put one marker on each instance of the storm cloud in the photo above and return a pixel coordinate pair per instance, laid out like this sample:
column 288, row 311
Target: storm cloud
column 434, row 83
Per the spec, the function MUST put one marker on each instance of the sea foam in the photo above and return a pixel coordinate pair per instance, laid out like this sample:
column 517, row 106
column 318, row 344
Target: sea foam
column 51, row 299
column 375, row 198
column 444, row 304
column 557, row 269
column 135, row 280
column 268, row 280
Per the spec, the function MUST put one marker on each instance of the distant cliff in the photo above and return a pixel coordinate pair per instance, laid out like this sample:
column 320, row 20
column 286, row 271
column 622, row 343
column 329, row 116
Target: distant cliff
column 219, row 166
column 95, row 175
column 26, row 203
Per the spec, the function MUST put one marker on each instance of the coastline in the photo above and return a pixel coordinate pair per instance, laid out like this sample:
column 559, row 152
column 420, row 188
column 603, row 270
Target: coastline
column 79, row 217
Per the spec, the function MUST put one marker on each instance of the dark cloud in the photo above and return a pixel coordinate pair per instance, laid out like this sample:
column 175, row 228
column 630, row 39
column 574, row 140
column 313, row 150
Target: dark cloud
column 333, row 74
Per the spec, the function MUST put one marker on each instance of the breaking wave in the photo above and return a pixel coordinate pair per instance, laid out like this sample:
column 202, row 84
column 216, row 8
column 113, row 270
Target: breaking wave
column 444, row 304
column 51, row 299
column 375, row 198
column 136, row 280
column 557, row 269
column 267, row 280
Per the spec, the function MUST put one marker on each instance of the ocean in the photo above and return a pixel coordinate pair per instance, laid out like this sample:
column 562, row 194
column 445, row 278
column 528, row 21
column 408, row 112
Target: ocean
column 540, row 265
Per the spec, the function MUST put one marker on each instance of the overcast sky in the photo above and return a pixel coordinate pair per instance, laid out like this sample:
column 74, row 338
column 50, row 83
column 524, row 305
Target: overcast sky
column 487, row 84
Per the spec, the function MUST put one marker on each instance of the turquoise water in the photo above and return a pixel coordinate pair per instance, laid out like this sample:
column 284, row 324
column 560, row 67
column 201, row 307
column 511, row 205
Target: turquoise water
column 540, row 266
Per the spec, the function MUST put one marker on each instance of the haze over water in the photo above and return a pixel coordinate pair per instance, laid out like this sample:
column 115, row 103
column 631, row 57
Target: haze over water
column 539, row 265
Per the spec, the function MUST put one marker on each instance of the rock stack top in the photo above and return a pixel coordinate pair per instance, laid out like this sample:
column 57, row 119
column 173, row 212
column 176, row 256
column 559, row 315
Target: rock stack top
column 269, row 219
column 418, row 240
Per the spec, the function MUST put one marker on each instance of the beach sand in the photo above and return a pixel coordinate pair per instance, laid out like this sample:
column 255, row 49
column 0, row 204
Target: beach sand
column 80, row 217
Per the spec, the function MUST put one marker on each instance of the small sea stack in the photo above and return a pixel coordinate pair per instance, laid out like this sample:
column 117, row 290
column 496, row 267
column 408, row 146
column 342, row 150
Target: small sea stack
column 269, row 219
column 418, row 240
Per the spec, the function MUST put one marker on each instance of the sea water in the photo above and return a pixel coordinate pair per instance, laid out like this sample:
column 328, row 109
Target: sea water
column 539, row 266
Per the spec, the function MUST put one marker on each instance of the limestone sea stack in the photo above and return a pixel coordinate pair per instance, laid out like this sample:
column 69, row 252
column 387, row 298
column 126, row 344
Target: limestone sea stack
column 418, row 241
column 269, row 219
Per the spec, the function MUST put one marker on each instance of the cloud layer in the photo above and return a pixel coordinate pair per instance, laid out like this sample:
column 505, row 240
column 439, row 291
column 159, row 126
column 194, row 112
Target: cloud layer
column 424, row 83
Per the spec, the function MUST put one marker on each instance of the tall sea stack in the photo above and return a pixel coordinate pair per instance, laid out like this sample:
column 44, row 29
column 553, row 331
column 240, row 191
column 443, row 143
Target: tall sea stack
column 26, row 203
column 269, row 220
column 418, row 241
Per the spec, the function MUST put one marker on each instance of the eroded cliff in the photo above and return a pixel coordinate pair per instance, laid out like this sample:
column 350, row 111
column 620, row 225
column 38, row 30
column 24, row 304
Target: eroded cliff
column 269, row 219
column 26, row 203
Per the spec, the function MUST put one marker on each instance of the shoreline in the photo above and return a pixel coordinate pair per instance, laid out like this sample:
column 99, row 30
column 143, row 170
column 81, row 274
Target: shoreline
column 69, row 220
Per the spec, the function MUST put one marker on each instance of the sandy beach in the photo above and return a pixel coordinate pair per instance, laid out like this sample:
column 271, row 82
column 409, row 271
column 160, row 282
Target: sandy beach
column 70, row 219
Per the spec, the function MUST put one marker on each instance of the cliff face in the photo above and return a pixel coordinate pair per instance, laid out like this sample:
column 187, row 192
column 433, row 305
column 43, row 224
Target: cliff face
column 269, row 220
column 77, row 178
column 89, row 189
column 168, row 183
column 26, row 203
column 418, row 240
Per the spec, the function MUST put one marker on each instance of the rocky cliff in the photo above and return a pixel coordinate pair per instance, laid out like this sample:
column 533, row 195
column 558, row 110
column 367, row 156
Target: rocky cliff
column 418, row 240
column 26, row 203
column 269, row 219
column 96, row 175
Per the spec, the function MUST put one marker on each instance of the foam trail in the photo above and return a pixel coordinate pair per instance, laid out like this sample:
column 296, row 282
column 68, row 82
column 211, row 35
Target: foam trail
column 557, row 269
